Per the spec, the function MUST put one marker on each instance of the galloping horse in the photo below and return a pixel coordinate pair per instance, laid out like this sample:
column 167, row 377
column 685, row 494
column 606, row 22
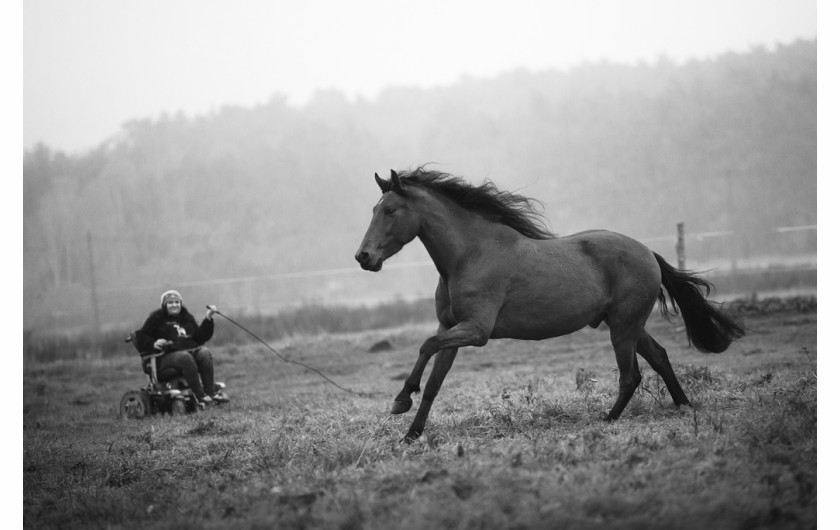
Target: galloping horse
column 504, row 275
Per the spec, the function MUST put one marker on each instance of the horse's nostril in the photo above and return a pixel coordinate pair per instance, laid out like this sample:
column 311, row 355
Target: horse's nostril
column 362, row 257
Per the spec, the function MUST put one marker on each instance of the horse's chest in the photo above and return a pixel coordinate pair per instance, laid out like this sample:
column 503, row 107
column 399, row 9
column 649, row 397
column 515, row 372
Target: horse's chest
column 454, row 305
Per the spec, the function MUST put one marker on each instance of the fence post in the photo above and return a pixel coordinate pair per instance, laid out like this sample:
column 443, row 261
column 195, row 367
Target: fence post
column 680, row 245
column 94, row 299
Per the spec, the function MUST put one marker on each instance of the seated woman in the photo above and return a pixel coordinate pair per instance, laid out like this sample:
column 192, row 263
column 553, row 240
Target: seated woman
column 173, row 329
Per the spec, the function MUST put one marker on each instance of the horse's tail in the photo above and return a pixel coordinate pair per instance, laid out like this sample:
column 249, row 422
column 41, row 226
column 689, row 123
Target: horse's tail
column 708, row 329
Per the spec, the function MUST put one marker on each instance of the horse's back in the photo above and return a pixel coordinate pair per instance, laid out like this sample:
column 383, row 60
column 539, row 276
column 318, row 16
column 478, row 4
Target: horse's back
column 608, row 245
column 625, row 262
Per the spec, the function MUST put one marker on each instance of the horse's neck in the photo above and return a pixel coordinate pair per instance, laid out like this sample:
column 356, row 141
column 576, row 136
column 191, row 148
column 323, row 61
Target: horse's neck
column 451, row 235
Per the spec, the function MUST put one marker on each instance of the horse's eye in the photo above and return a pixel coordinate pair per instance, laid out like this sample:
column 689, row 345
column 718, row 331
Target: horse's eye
column 390, row 211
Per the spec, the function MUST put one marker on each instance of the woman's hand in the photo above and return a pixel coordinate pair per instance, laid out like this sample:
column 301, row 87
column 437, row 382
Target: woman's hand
column 211, row 310
column 160, row 344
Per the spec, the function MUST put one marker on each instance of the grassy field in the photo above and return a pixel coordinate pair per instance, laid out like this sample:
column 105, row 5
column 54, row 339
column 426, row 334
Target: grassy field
column 514, row 440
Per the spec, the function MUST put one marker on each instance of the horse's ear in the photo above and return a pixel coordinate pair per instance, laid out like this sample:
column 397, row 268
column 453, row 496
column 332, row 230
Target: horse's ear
column 383, row 184
column 395, row 182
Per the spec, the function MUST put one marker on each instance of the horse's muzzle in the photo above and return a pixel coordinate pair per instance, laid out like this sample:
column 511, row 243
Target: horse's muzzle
column 367, row 262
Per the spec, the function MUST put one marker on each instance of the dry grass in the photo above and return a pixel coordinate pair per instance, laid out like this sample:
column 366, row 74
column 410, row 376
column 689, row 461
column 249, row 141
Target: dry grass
column 515, row 439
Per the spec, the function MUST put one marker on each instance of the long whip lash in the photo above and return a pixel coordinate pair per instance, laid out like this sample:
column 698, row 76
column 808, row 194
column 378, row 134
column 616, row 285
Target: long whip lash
column 330, row 381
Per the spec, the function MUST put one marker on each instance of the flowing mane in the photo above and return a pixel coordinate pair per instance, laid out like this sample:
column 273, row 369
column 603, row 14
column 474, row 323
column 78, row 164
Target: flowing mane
column 487, row 200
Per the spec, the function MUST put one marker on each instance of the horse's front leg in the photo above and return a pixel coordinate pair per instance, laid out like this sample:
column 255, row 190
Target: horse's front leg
column 466, row 333
column 443, row 363
column 446, row 342
column 402, row 403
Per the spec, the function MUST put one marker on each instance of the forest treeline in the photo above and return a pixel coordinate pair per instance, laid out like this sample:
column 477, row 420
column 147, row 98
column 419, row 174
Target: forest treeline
column 728, row 143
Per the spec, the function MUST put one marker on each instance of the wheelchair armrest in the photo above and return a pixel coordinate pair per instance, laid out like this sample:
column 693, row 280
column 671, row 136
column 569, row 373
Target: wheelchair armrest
column 150, row 357
column 152, row 354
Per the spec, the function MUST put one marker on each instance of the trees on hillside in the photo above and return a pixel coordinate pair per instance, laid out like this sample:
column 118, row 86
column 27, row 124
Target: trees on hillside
column 730, row 141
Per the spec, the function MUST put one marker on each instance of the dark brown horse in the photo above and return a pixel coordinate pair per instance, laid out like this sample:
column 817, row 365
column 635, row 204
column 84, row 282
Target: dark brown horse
column 504, row 275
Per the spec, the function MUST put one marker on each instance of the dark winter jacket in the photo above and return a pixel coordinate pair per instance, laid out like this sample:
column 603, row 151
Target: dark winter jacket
column 181, row 329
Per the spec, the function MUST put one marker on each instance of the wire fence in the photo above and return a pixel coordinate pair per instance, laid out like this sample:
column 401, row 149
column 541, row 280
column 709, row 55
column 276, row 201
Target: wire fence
column 720, row 255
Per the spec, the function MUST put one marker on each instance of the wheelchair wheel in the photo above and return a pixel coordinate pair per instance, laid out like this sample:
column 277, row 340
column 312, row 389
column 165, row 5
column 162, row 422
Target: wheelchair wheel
column 135, row 405
column 179, row 407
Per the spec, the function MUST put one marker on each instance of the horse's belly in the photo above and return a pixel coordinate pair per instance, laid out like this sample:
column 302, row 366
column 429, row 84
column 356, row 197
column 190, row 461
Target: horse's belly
column 537, row 321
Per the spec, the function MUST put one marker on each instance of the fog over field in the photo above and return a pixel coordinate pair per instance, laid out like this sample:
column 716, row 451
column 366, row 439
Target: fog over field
column 260, row 208
column 229, row 150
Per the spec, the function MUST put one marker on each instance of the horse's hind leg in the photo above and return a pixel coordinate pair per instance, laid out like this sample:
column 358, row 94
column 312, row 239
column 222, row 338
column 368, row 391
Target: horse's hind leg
column 629, row 377
column 657, row 358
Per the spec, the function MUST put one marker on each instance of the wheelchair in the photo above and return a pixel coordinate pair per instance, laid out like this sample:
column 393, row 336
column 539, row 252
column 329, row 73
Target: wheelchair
column 160, row 396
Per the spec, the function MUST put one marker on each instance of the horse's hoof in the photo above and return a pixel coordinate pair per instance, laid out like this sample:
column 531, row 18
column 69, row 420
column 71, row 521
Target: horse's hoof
column 410, row 438
column 401, row 406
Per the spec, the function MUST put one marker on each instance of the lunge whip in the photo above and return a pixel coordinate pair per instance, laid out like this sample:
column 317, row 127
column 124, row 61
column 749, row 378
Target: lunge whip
column 285, row 359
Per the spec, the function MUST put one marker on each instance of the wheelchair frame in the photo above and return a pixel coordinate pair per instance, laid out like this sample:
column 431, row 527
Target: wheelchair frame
column 172, row 396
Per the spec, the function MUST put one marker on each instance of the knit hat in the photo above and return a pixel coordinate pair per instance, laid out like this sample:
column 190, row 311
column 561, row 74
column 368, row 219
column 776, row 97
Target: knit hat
column 172, row 294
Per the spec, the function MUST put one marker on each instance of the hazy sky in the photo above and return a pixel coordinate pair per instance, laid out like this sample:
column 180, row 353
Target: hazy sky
column 91, row 65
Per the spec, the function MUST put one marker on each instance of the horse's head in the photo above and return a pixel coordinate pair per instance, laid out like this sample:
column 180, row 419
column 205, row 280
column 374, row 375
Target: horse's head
column 395, row 223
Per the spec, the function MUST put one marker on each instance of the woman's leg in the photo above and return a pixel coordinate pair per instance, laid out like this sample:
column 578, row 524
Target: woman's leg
column 204, row 361
column 186, row 366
